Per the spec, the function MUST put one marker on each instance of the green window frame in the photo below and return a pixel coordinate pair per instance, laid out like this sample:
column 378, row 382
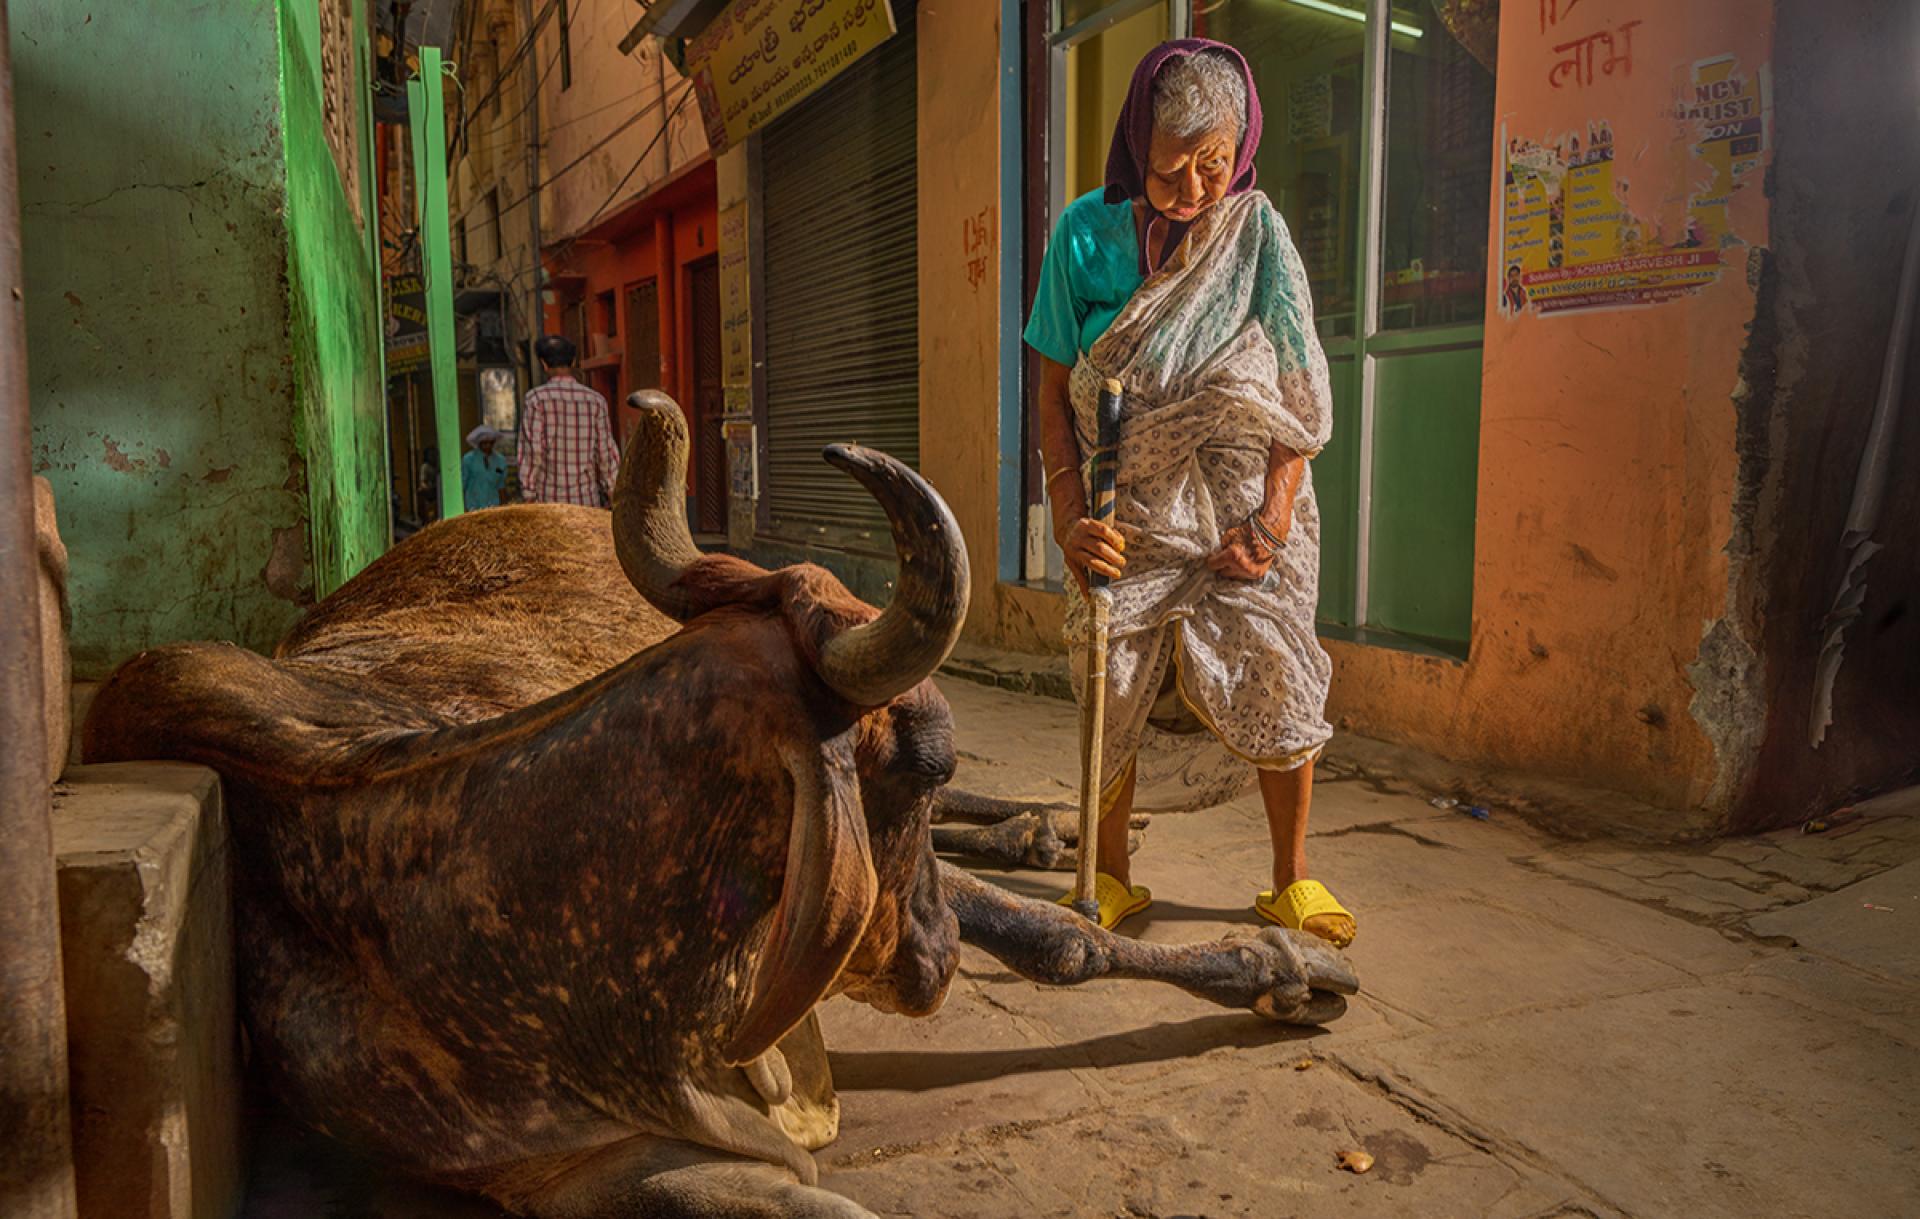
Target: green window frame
column 1397, row 486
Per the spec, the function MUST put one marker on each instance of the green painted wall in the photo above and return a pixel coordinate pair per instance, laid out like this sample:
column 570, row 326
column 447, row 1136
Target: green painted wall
column 152, row 185
column 201, row 320
column 334, row 322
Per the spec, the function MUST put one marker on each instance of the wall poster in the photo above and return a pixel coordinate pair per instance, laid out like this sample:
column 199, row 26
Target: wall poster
column 1577, row 234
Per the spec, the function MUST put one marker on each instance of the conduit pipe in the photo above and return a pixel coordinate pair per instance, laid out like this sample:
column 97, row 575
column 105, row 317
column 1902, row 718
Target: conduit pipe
column 36, row 1152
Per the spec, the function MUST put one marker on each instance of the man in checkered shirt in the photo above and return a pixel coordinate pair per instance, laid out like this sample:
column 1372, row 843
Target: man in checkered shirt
column 566, row 449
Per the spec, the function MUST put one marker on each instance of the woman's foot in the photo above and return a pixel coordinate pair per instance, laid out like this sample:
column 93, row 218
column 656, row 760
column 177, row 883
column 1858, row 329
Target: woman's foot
column 1117, row 899
column 1305, row 905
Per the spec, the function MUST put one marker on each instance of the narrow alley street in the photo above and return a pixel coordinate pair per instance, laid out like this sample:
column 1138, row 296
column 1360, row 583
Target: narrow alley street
column 1546, row 1027
column 489, row 488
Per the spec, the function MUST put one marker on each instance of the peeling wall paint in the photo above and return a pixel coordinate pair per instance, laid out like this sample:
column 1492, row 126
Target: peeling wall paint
column 152, row 188
column 201, row 320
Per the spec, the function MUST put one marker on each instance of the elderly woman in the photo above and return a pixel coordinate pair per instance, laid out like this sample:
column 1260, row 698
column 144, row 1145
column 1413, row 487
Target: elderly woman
column 1179, row 279
column 483, row 472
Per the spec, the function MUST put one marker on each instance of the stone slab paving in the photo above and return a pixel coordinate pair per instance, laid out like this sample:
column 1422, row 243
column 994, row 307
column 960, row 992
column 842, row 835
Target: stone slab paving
column 1546, row 1028
column 1551, row 1021
column 1873, row 924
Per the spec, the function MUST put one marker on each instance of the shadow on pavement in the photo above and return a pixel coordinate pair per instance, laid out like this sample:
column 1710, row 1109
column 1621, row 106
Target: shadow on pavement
column 926, row 1070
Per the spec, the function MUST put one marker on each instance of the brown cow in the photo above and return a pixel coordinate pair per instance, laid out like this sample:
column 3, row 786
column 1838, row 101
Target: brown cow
column 538, row 889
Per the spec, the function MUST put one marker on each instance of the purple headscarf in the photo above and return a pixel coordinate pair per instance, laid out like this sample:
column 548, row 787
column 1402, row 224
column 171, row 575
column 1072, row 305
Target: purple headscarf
column 1133, row 134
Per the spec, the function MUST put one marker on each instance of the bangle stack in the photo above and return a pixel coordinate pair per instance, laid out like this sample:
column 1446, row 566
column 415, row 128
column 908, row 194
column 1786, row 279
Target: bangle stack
column 1264, row 536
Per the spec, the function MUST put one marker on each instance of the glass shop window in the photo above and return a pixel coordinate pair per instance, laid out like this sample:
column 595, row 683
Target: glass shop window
column 1439, row 164
column 1308, row 63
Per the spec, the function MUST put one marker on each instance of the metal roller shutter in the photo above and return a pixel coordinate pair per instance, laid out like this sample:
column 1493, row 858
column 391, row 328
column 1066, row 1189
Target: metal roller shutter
column 842, row 289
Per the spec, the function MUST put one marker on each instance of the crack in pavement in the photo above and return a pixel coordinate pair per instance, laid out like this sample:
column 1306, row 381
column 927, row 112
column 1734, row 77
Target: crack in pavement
column 1386, row 828
column 1452, row 1122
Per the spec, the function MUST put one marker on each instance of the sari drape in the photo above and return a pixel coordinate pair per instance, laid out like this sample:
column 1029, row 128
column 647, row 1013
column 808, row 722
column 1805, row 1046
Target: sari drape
column 1219, row 359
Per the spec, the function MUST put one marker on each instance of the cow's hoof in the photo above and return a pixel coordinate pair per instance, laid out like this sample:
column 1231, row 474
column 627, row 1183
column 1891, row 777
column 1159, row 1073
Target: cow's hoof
column 1310, row 978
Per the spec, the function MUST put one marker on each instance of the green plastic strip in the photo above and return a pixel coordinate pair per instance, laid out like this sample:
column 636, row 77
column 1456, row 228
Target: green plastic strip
column 426, row 116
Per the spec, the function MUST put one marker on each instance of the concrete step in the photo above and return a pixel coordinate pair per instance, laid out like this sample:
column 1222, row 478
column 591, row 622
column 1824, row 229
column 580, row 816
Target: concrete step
column 1020, row 672
column 147, row 947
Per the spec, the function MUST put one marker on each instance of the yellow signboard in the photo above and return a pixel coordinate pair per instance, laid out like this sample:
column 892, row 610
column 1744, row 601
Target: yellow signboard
column 759, row 57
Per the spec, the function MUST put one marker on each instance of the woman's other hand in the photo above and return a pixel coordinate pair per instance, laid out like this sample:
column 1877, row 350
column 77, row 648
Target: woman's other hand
column 1240, row 556
column 1092, row 546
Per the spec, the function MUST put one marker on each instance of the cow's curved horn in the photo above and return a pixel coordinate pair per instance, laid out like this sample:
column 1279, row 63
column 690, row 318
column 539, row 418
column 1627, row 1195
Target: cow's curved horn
column 873, row 664
column 649, row 504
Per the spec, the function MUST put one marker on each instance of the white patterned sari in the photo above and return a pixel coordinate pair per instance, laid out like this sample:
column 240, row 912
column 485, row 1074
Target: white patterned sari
column 1219, row 359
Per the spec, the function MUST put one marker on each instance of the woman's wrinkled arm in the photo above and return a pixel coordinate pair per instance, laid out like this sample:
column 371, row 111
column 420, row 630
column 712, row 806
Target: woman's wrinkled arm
column 1284, row 470
column 1085, row 542
column 1245, row 552
column 1059, row 449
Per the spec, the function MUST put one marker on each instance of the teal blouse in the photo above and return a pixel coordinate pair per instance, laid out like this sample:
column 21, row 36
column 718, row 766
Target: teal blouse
column 481, row 478
column 1090, row 269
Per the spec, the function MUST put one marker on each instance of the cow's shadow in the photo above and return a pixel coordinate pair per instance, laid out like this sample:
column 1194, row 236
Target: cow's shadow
column 297, row 1174
column 922, row 1070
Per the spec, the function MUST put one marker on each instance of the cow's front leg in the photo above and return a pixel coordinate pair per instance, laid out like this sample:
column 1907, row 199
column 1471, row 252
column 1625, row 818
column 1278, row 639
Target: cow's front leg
column 1284, row 975
column 654, row 1178
column 1014, row 833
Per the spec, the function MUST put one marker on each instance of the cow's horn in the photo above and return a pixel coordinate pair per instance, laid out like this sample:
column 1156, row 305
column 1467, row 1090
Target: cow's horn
column 649, row 504
column 873, row 664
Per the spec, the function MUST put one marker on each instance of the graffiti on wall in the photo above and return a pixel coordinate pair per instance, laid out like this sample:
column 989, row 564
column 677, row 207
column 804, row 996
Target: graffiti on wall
column 1575, row 236
column 977, row 241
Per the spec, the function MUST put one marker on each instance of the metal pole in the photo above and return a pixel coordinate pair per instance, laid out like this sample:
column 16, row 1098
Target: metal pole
column 535, row 321
column 36, row 1151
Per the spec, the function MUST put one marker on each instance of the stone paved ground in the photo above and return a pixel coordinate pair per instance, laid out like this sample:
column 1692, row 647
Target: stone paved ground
column 1546, row 1028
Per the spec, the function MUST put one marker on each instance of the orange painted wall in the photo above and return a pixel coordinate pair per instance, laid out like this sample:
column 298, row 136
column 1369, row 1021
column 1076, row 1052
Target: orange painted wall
column 1607, row 452
column 606, row 123
column 625, row 251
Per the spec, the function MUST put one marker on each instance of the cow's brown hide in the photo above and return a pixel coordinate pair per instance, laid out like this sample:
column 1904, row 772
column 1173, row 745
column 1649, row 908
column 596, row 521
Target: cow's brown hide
column 510, row 891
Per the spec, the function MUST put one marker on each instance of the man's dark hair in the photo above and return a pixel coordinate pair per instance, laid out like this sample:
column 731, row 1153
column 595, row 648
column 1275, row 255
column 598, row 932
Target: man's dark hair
column 555, row 351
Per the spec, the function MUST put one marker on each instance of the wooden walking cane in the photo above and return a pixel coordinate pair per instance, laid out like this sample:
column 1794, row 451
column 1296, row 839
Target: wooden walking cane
column 1093, row 708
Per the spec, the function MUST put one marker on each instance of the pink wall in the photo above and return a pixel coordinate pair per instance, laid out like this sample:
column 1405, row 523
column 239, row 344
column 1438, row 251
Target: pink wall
column 1607, row 433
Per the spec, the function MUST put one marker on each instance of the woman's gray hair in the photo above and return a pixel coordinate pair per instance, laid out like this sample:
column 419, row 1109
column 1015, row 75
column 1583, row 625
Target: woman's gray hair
column 1198, row 93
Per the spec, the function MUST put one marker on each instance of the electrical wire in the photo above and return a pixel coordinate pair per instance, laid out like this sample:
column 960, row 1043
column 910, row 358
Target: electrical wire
column 488, row 136
column 519, row 53
column 602, row 142
column 665, row 126
column 565, row 123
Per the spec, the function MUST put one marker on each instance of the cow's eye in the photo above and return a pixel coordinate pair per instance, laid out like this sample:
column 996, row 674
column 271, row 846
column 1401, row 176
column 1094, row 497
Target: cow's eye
column 931, row 759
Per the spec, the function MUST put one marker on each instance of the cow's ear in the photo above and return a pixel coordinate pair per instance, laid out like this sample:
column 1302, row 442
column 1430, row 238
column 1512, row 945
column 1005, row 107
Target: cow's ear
column 825, row 901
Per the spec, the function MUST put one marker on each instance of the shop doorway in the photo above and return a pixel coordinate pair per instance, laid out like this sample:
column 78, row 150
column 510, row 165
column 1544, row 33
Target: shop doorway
column 1378, row 150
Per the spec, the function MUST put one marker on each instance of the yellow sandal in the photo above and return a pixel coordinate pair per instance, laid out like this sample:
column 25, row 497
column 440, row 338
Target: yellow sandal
column 1117, row 901
column 1307, row 902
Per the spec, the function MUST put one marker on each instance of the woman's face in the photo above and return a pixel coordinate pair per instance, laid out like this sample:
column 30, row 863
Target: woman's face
column 1186, row 177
